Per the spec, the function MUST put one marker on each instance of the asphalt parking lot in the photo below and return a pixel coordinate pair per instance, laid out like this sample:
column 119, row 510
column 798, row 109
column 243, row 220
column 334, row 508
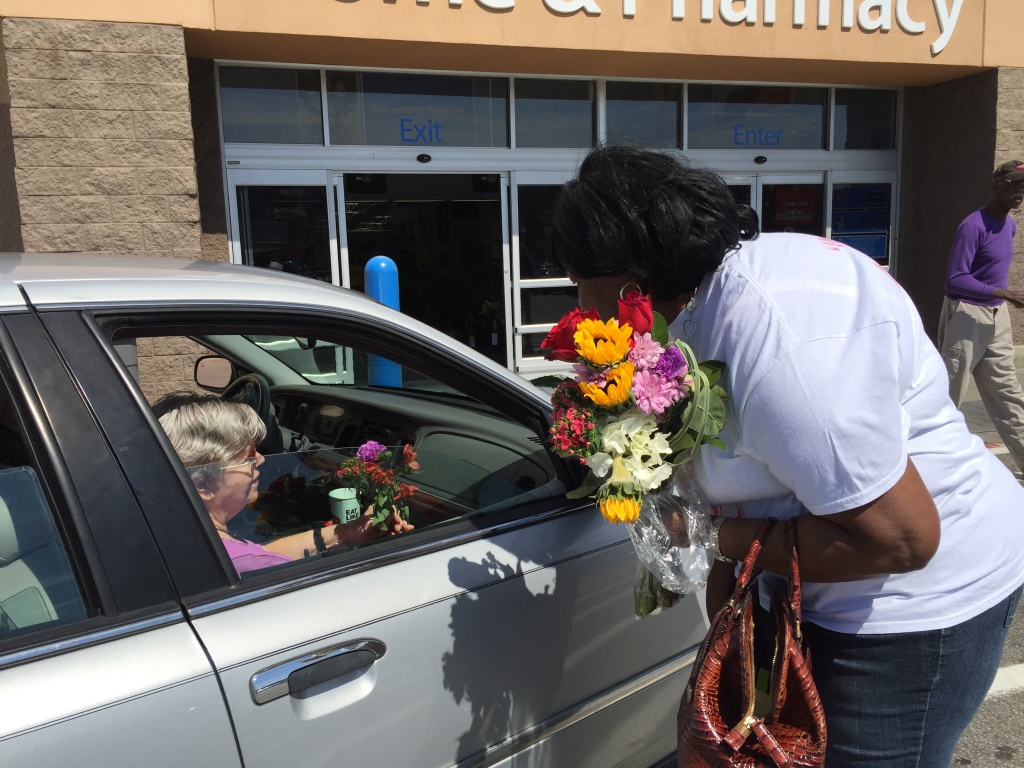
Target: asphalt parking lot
column 996, row 736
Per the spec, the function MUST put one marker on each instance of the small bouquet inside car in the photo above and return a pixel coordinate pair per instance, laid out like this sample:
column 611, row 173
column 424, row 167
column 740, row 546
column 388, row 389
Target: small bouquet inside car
column 373, row 474
column 635, row 412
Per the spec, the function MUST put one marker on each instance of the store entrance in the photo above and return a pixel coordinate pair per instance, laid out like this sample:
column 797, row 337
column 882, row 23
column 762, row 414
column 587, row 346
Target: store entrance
column 853, row 207
column 446, row 234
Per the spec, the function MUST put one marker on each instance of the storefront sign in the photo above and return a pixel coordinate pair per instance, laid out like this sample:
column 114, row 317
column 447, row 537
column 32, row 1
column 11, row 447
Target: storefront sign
column 866, row 15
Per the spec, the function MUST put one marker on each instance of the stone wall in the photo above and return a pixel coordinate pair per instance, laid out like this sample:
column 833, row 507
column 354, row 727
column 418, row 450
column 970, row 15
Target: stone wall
column 102, row 137
column 10, row 217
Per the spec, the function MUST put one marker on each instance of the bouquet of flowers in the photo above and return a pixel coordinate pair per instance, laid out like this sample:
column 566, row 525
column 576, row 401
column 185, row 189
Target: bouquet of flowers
column 637, row 408
column 373, row 473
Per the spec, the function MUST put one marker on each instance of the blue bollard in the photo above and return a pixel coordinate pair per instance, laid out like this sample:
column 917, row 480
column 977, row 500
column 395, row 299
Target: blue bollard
column 380, row 276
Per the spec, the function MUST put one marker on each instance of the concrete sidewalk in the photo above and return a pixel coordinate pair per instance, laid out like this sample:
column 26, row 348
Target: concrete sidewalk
column 977, row 417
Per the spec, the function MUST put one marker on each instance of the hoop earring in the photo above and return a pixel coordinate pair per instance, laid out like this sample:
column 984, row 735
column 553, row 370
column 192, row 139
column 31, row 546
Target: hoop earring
column 623, row 291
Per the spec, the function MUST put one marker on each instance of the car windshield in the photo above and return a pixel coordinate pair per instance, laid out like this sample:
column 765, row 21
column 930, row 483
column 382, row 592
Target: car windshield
column 323, row 362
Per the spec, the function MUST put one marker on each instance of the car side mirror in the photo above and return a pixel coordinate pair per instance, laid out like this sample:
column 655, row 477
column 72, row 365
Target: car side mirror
column 214, row 372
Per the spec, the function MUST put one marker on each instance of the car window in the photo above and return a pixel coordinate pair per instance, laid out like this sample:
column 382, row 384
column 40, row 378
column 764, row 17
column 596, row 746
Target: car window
column 38, row 588
column 355, row 442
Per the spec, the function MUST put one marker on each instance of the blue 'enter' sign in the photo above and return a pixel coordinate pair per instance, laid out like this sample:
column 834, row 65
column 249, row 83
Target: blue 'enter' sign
column 756, row 137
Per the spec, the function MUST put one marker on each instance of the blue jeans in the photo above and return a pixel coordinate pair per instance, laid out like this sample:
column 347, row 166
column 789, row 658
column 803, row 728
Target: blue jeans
column 903, row 700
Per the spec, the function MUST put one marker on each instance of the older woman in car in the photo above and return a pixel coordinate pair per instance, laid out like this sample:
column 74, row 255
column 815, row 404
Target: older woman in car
column 216, row 441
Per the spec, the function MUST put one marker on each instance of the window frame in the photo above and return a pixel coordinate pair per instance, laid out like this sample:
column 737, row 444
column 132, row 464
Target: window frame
column 117, row 600
column 375, row 336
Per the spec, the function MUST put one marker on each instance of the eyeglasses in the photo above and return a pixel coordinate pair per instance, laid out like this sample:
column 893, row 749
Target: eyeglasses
column 1015, row 183
column 248, row 463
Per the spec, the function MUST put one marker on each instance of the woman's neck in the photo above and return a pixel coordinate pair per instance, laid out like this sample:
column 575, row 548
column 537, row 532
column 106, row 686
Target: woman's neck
column 672, row 308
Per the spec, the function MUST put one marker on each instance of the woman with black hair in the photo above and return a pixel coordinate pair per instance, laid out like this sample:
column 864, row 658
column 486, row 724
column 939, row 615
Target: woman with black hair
column 911, row 546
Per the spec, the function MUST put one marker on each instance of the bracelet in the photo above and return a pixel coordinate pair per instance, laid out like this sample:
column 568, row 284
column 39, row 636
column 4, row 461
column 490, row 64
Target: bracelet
column 318, row 540
column 716, row 549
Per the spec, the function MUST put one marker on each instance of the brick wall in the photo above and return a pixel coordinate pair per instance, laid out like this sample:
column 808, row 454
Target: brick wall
column 102, row 137
column 1010, row 146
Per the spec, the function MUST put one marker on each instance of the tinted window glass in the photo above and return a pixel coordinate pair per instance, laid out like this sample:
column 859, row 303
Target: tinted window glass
column 417, row 110
column 38, row 588
column 554, row 113
column 646, row 112
column 264, row 105
column 860, row 217
column 755, row 117
column 286, row 228
column 865, row 119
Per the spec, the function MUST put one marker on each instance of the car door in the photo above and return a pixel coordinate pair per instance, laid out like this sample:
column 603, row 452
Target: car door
column 98, row 665
column 507, row 638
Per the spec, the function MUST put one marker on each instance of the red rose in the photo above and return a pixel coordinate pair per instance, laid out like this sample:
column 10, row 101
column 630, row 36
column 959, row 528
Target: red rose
column 559, row 344
column 635, row 309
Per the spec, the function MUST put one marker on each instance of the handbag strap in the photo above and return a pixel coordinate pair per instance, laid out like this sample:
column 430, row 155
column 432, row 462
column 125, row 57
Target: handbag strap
column 749, row 571
column 794, row 573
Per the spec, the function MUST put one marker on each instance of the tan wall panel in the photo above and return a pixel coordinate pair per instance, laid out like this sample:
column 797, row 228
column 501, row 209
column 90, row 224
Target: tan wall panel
column 530, row 24
column 186, row 13
column 1002, row 33
column 483, row 58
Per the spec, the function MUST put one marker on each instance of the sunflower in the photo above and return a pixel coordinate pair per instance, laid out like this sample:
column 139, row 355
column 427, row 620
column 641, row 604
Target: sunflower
column 603, row 344
column 615, row 390
column 619, row 510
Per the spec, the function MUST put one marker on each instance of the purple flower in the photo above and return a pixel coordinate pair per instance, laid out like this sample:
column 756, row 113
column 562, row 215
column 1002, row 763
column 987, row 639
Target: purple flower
column 654, row 393
column 645, row 352
column 370, row 451
column 589, row 375
column 672, row 364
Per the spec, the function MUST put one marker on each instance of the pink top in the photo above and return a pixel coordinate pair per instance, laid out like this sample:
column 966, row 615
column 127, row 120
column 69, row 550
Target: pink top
column 250, row 556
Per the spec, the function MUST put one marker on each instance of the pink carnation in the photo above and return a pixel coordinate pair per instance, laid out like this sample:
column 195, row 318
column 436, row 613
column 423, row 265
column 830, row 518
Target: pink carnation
column 646, row 352
column 654, row 393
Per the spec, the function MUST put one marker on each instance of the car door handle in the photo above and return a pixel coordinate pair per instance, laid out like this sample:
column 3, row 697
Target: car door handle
column 298, row 675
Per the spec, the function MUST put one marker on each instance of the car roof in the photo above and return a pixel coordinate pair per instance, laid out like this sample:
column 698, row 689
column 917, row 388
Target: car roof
column 84, row 279
column 77, row 278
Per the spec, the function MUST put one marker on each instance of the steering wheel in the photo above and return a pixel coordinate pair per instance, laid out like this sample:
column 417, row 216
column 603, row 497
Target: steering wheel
column 254, row 390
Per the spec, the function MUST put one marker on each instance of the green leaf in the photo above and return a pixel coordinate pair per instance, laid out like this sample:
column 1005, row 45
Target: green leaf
column 717, row 442
column 548, row 381
column 713, row 369
column 587, row 488
column 659, row 330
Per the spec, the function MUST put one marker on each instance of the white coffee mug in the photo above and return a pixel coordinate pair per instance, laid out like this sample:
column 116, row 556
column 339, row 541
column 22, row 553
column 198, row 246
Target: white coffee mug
column 344, row 504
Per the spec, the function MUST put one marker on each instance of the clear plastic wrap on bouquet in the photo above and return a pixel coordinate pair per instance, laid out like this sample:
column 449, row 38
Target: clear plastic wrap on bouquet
column 672, row 534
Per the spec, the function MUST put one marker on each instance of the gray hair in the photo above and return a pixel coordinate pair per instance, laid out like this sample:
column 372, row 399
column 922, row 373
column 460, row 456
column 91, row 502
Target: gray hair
column 205, row 430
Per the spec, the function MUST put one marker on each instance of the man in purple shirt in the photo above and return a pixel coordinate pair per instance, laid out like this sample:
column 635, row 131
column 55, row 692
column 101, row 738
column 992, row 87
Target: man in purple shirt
column 974, row 330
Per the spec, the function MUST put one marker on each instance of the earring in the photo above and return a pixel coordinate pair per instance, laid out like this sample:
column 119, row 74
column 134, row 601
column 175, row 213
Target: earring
column 623, row 291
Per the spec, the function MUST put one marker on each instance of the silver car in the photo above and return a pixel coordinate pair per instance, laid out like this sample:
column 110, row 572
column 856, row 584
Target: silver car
column 499, row 632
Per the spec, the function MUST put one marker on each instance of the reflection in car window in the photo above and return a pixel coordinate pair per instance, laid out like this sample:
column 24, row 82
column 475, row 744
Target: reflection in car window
column 322, row 362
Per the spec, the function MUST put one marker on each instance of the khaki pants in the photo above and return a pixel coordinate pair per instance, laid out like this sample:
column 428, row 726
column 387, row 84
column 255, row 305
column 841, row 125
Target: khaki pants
column 978, row 340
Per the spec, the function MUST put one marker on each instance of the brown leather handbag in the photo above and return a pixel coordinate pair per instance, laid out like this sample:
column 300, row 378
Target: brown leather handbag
column 724, row 720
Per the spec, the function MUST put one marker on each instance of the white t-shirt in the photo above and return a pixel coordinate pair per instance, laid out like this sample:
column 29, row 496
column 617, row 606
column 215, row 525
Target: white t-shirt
column 834, row 384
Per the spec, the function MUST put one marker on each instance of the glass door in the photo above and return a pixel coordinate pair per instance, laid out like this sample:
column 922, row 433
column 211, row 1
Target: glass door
column 792, row 203
column 280, row 220
column 744, row 189
column 864, row 213
column 448, row 236
column 541, row 292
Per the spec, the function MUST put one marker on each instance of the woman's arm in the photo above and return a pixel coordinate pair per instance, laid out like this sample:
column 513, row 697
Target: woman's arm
column 362, row 529
column 721, row 583
column 896, row 533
